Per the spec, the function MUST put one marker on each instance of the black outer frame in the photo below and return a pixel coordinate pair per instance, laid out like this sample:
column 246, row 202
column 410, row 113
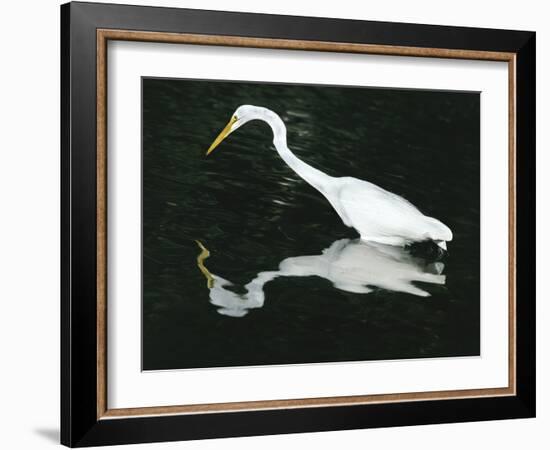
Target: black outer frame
column 79, row 423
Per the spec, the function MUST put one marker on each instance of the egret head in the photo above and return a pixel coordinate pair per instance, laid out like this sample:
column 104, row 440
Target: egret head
column 242, row 114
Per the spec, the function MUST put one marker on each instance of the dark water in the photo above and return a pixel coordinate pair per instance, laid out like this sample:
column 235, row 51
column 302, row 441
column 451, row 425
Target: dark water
column 266, row 228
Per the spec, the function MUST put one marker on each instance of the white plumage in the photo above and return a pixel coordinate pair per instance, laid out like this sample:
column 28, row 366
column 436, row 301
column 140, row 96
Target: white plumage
column 377, row 215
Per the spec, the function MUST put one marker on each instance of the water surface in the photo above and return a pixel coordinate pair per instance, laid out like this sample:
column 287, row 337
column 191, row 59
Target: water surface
column 285, row 273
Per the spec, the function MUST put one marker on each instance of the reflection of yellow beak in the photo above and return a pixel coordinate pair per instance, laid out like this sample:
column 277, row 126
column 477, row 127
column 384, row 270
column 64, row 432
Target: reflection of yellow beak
column 200, row 263
column 224, row 133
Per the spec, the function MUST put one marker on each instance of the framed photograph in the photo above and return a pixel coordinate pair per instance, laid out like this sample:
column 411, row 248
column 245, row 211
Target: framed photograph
column 276, row 224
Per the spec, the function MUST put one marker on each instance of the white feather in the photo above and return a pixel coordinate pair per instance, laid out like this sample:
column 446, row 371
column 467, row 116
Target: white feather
column 377, row 215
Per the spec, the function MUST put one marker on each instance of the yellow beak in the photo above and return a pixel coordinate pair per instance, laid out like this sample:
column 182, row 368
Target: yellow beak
column 224, row 133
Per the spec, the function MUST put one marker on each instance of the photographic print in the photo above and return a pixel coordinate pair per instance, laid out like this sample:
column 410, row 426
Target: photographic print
column 299, row 224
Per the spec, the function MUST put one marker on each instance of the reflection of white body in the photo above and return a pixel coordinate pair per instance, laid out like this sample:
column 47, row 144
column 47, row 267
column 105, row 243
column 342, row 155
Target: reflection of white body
column 352, row 266
column 378, row 215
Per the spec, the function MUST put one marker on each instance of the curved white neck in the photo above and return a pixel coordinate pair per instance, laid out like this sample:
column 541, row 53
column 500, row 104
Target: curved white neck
column 316, row 178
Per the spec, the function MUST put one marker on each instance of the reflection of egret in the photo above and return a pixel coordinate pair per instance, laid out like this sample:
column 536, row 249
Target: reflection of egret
column 350, row 265
column 378, row 215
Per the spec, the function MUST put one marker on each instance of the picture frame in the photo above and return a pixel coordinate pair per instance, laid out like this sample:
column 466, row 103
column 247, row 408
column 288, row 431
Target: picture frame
column 86, row 418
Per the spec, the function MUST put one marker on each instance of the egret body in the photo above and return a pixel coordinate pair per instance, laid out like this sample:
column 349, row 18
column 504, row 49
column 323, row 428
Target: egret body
column 377, row 215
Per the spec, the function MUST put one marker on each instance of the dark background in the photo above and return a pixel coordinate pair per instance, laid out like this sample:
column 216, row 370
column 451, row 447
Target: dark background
column 252, row 211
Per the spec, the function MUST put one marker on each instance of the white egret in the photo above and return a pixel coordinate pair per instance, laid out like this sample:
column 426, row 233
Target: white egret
column 377, row 215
